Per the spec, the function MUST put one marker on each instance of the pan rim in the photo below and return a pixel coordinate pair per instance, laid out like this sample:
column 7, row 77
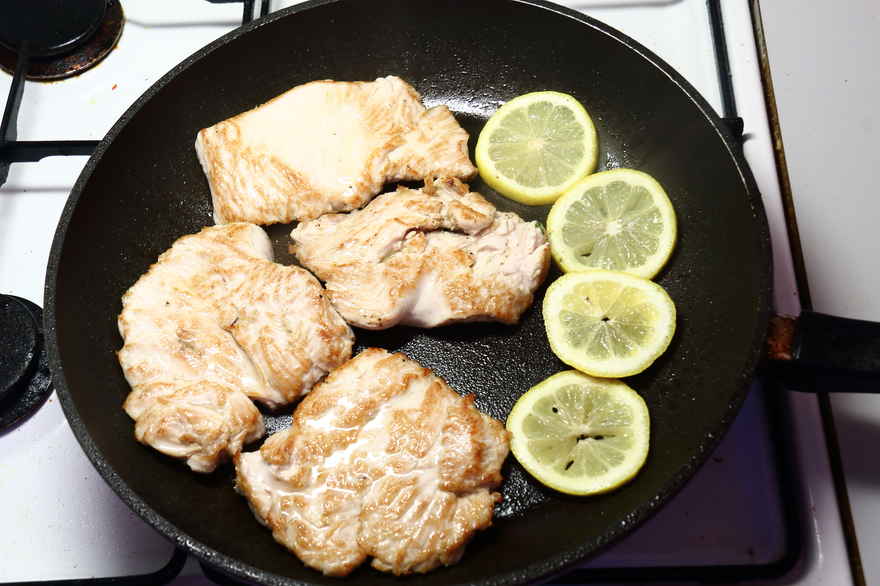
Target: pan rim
column 556, row 564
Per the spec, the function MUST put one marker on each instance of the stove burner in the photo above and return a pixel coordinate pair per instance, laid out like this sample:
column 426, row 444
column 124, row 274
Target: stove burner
column 18, row 338
column 50, row 26
column 60, row 38
column 24, row 369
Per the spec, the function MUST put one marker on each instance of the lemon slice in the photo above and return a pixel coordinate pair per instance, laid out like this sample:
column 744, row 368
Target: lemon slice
column 536, row 146
column 580, row 435
column 619, row 220
column 607, row 323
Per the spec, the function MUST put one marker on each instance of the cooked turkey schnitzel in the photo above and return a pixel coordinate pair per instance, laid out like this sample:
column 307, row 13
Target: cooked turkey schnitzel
column 382, row 460
column 213, row 322
column 326, row 146
column 425, row 257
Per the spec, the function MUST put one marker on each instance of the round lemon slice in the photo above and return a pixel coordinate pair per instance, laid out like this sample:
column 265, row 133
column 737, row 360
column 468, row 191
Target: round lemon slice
column 536, row 146
column 620, row 220
column 607, row 323
column 580, row 435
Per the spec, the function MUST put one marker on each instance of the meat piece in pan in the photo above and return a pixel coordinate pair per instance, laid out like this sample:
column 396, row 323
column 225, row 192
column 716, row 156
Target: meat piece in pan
column 382, row 460
column 326, row 146
column 213, row 323
column 425, row 258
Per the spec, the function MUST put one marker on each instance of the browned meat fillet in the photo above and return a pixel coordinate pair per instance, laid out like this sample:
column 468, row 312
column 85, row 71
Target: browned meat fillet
column 382, row 460
column 425, row 258
column 212, row 323
column 326, row 146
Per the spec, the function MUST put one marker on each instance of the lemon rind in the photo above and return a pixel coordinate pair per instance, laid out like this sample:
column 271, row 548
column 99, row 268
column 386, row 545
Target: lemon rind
column 582, row 486
column 556, row 218
column 613, row 367
column 511, row 188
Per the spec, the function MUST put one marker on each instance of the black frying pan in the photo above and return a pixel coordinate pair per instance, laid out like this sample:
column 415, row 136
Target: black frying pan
column 143, row 188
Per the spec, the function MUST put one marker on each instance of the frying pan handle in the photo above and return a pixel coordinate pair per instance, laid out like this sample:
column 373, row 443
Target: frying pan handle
column 816, row 351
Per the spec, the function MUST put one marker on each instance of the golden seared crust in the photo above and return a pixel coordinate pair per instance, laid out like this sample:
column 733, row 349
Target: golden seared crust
column 288, row 328
column 382, row 460
column 250, row 185
column 436, row 145
column 425, row 257
column 326, row 146
column 213, row 324
column 202, row 423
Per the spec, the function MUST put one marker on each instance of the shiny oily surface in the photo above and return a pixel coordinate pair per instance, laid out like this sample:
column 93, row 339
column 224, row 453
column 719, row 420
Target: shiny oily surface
column 143, row 189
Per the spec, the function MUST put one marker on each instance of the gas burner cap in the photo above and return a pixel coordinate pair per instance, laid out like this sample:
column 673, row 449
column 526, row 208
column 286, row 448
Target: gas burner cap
column 62, row 38
column 49, row 27
column 24, row 368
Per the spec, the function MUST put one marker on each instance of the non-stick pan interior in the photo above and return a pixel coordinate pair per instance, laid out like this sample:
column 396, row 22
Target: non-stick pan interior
column 145, row 189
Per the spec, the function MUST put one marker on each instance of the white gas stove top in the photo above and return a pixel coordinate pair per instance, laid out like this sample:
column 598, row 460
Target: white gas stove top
column 731, row 514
